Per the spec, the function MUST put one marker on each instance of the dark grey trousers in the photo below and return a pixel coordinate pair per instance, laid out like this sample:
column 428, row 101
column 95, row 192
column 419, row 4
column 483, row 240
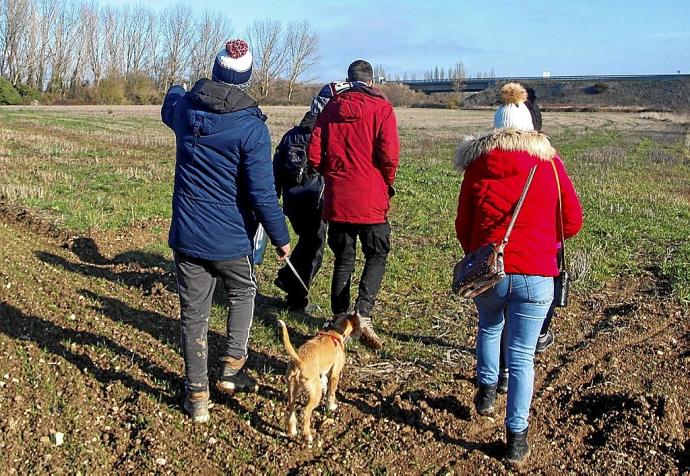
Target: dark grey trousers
column 196, row 280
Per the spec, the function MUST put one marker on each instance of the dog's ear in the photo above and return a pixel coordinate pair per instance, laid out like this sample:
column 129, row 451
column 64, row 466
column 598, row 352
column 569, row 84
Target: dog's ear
column 353, row 319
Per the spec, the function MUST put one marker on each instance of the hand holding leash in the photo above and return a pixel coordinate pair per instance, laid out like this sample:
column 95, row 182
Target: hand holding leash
column 283, row 251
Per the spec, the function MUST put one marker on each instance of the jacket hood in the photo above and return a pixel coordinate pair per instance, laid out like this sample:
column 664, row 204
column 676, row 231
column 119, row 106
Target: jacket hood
column 532, row 142
column 308, row 121
column 351, row 105
column 221, row 98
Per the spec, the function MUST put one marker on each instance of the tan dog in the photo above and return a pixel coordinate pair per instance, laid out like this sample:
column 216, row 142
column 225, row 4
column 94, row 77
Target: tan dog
column 321, row 357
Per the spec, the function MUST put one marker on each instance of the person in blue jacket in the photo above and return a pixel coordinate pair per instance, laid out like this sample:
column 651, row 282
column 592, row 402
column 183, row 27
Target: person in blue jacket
column 223, row 190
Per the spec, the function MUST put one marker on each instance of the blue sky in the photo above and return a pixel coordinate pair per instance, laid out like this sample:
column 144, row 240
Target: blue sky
column 515, row 38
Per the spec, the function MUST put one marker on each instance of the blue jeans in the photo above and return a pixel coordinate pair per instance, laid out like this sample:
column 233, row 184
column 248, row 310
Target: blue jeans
column 526, row 300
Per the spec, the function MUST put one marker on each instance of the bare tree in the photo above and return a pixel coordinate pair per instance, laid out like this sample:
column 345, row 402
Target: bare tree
column 93, row 42
column 62, row 45
column 79, row 50
column 458, row 76
column 379, row 73
column 4, row 8
column 112, row 21
column 268, row 49
column 30, row 53
column 15, row 14
column 139, row 33
column 177, row 24
column 46, row 14
column 302, row 49
column 64, row 38
column 211, row 31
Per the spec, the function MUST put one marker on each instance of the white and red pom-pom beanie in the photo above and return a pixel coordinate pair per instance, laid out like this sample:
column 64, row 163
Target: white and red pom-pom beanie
column 513, row 114
column 233, row 64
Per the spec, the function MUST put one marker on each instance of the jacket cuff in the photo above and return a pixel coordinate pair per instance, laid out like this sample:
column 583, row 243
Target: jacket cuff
column 282, row 242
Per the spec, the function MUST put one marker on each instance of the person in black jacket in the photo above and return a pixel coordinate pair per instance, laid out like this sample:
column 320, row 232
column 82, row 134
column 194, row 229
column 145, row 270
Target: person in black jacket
column 302, row 190
column 534, row 110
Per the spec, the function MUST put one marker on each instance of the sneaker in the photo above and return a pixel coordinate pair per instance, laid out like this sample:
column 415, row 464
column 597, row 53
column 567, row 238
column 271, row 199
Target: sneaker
column 234, row 378
column 239, row 382
column 517, row 448
column 196, row 405
column 502, row 386
column 484, row 399
column 545, row 341
column 369, row 337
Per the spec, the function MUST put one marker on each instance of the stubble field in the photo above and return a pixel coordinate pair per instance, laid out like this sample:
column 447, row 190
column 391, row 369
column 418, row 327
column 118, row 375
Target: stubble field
column 89, row 315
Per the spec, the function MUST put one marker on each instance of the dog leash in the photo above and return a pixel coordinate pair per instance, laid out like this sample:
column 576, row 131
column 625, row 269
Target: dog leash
column 294, row 271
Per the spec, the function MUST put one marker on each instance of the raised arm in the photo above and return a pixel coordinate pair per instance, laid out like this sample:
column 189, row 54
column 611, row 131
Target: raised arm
column 174, row 94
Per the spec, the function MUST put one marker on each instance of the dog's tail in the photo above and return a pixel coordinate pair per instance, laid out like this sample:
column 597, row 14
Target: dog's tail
column 288, row 344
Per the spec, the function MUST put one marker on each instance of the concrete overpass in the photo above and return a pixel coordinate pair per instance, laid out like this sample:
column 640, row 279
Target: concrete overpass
column 480, row 84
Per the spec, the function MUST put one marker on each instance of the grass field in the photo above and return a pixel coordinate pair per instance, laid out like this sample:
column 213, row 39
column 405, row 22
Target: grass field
column 89, row 329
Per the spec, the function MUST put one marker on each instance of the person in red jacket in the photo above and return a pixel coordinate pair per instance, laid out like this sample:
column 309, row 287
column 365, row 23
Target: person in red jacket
column 355, row 147
column 496, row 166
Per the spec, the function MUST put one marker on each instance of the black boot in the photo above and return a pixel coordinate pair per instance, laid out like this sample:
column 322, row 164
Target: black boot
column 485, row 398
column 517, row 449
column 503, row 376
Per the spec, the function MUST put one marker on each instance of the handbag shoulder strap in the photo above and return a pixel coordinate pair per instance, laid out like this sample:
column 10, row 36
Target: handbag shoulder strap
column 519, row 205
column 559, row 217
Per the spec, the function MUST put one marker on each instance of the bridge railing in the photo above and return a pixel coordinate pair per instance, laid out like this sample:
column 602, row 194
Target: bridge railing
column 611, row 77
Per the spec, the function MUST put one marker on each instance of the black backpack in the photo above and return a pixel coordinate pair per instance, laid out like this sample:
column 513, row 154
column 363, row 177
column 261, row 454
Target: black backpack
column 291, row 164
column 294, row 165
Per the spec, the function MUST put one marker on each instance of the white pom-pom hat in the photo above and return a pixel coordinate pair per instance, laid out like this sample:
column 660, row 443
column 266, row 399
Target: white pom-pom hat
column 513, row 114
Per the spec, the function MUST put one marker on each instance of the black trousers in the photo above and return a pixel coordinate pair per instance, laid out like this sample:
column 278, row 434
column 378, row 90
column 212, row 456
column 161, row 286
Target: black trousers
column 342, row 240
column 196, row 280
column 307, row 256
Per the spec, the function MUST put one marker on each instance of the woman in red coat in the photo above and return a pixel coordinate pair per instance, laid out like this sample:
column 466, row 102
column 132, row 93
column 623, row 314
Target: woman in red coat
column 496, row 166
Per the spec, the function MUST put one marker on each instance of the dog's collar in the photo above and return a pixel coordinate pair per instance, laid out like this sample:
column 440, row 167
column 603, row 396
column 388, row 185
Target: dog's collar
column 337, row 339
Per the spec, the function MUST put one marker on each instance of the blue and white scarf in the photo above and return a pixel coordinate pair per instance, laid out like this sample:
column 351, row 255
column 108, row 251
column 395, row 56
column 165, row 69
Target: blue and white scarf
column 331, row 90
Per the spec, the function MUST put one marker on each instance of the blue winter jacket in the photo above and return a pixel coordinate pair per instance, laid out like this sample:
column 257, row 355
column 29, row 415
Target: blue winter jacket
column 223, row 173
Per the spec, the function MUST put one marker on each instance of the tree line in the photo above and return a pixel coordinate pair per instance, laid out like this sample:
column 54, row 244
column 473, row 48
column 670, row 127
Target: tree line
column 79, row 50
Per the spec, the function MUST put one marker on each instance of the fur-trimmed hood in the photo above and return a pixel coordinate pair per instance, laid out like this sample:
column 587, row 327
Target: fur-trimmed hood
column 532, row 142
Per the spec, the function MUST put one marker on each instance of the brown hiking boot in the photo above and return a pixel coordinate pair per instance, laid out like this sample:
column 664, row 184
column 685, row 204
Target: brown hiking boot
column 234, row 378
column 369, row 337
column 196, row 405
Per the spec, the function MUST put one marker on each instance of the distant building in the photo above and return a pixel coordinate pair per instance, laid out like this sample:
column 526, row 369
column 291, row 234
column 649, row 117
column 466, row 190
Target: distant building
column 546, row 74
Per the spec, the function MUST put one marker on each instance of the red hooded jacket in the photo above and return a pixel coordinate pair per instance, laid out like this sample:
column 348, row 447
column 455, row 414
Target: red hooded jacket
column 355, row 147
column 496, row 168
